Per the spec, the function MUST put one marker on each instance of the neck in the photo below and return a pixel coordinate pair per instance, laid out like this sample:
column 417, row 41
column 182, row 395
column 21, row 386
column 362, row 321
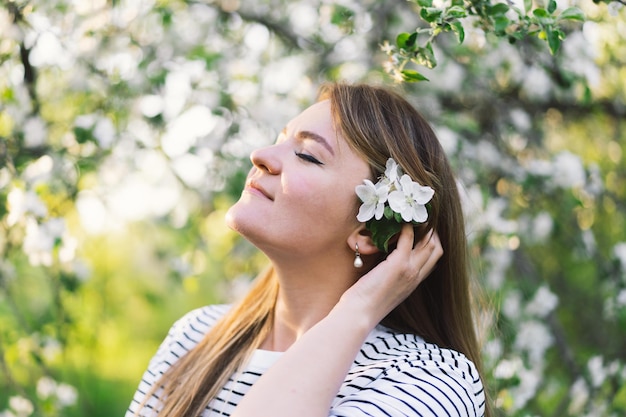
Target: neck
column 308, row 291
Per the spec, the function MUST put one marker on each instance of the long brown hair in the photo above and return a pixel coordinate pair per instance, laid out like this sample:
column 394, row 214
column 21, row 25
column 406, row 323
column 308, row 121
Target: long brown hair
column 377, row 123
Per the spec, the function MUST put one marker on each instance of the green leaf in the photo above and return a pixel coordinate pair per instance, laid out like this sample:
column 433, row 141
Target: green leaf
column 456, row 12
column 413, row 76
column 551, row 6
column 572, row 13
column 554, row 40
column 83, row 135
column 388, row 212
column 457, row 28
column 425, row 3
column 501, row 23
column 543, row 18
column 587, row 97
column 430, row 14
column 383, row 231
column 426, row 56
column 402, row 39
column 341, row 15
column 406, row 40
column 498, row 9
column 528, row 4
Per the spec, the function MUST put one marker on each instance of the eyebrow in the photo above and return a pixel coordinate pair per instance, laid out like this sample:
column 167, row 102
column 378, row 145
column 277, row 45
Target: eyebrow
column 306, row 134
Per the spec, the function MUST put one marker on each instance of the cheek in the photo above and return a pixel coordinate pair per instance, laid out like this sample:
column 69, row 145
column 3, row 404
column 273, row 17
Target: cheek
column 330, row 200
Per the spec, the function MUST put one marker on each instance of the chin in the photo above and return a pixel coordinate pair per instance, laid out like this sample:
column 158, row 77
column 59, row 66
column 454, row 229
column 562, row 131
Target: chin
column 231, row 218
column 239, row 219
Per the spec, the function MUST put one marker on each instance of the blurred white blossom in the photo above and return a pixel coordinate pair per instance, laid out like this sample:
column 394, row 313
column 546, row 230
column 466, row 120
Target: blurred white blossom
column 151, row 105
column 537, row 83
column 184, row 132
column 67, row 395
column 579, row 57
column 508, row 368
column 568, row 170
column 21, row 203
column 39, row 170
column 50, row 348
column 495, row 219
column 521, row 119
column 35, row 132
column 22, row 406
column 493, row 349
column 620, row 299
column 499, row 260
column 303, row 18
column 284, row 75
column 104, row 132
column 535, row 338
column 597, row 371
column 579, row 393
column 512, row 304
column 46, row 387
column 619, row 251
column 448, row 138
column 542, row 303
column 527, row 388
column 41, row 239
column 257, row 38
column 542, row 226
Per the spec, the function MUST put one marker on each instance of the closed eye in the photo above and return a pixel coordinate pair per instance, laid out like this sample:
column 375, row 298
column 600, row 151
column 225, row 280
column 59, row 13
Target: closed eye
column 308, row 158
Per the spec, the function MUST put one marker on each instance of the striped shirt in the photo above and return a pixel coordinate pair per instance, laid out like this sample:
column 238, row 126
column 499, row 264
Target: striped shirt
column 394, row 374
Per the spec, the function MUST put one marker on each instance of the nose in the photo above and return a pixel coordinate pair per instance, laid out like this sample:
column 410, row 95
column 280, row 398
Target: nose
column 267, row 159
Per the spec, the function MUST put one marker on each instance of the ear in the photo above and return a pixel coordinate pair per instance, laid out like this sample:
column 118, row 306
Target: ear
column 363, row 238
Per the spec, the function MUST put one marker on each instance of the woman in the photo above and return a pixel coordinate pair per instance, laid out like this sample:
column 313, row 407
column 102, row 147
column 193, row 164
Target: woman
column 336, row 326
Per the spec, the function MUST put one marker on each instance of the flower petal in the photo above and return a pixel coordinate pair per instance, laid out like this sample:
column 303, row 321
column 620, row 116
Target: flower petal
column 397, row 201
column 366, row 191
column 391, row 169
column 407, row 213
column 382, row 192
column 419, row 214
column 422, row 194
column 380, row 210
column 405, row 183
column 366, row 212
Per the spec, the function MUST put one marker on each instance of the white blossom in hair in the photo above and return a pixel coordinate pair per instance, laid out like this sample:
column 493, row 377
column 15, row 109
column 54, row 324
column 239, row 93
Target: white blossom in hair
column 395, row 199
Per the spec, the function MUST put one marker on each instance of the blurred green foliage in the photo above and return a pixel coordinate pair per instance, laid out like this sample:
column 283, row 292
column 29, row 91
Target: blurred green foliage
column 125, row 129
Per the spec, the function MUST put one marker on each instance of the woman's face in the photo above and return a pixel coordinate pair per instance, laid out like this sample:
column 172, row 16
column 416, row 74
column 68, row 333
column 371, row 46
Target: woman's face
column 299, row 196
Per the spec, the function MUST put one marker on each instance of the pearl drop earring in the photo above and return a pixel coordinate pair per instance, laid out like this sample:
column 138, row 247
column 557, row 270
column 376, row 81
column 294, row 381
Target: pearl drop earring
column 358, row 262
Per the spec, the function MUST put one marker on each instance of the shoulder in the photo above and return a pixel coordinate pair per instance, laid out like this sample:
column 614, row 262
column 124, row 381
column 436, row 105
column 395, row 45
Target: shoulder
column 385, row 345
column 189, row 330
column 403, row 373
column 183, row 336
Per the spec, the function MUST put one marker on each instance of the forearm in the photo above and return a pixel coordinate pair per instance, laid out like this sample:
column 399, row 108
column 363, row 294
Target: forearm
column 307, row 377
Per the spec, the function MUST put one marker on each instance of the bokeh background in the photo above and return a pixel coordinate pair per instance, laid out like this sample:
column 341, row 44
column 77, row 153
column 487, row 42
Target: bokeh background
column 125, row 130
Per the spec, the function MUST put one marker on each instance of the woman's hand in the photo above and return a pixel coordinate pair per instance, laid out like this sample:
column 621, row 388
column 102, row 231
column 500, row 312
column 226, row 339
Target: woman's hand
column 390, row 282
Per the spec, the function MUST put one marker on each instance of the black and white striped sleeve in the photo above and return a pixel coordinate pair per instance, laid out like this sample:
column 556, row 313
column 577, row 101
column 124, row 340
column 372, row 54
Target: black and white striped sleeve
column 443, row 384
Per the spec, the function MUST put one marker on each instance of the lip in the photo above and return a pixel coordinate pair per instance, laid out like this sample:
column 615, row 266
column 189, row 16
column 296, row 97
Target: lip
column 254, row 188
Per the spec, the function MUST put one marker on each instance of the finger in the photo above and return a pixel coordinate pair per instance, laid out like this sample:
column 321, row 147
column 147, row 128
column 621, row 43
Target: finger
column 423, row 249
column 433, row 250
column 405, row 241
